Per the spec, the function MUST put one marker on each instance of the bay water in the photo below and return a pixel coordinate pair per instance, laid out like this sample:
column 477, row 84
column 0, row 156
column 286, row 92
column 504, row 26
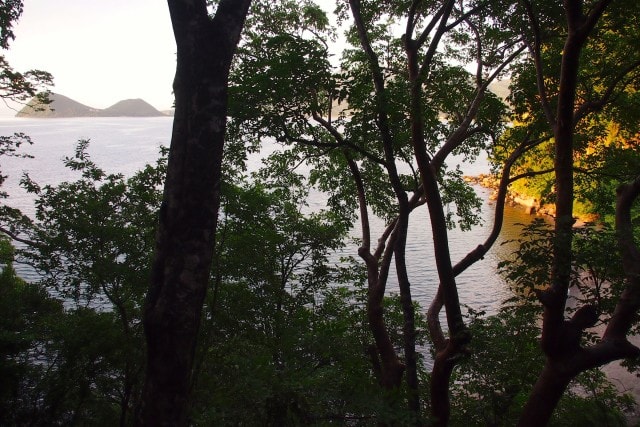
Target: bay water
column 125, row 145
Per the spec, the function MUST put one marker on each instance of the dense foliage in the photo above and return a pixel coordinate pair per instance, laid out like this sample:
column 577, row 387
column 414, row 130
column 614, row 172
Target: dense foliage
column 280, row 334
column 291, row 332
column 606, row 128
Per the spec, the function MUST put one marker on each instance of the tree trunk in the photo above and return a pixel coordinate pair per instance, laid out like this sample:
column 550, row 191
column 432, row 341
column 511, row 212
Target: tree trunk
column 560, row 338
column 550, row 386
column 188, row 215
column 390, row 368
column 408, row 312
column 447, row 291
column 546, row 393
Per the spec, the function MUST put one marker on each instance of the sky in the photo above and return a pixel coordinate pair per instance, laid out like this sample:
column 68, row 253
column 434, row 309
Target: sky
column 99, row 52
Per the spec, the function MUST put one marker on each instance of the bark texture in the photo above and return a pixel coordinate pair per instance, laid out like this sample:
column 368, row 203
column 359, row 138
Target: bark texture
column 188, row 215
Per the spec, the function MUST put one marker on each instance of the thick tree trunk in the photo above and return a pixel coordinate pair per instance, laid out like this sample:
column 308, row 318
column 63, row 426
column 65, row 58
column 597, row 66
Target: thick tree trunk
column 546, row 393
column 555, row 298
column 188, row 215
column 459, row 336
column 443, row 365
column 388, row 368
column 550, row 385
column 558, row 372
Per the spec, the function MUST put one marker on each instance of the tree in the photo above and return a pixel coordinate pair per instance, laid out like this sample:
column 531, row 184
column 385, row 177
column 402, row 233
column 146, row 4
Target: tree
column 401, row 122
column 597, row 280
column 91, row 243
column 16, row 86
column 282, row 340
column 606, row 108
column 29, row 319
column 189, row 211
column 372, row 154
column 567, row 94
column 375, row 135
column 491, row 385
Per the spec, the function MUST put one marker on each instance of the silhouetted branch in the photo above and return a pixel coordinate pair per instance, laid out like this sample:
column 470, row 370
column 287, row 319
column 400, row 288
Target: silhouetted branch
column 17, row 238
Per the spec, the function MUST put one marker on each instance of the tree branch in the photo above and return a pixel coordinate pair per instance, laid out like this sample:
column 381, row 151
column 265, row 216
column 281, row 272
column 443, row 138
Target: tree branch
column 531, row 174
column 342, row 142
column 17, row 238
column 466, row 15
column 433, row 46
column 424, row 35
column 454, row 140
column 433, row 321
column 588, row 107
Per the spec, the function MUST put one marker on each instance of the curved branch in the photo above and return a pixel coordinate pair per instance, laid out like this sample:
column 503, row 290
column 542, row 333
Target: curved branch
column 593, row 16
column 362, row 203
column 531, row 174
column 433, row 46
column 382, row 241
column 17, row 238
column 411, row 18
column 481, row 250
column 608, row 95
column 458, row 136
column 433, row 321
column 366, row 46
column 382, row 117
column 433, row 313
column 341, row 140
column 422, row 39
column 466, row 15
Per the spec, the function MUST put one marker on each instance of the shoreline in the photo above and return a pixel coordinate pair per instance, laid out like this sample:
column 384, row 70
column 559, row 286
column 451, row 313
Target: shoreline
column 531, row 205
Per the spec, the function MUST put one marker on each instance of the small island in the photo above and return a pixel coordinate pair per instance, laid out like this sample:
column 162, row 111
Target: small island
column 64, row 107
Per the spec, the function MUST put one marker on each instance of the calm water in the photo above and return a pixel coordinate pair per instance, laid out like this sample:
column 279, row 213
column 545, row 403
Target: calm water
column 126, row 144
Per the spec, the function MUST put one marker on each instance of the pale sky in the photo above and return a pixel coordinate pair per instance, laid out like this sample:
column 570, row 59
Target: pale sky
column 99, row 52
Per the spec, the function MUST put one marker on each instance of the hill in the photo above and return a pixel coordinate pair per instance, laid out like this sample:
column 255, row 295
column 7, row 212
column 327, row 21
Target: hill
column 62, row 106
column 131, row 108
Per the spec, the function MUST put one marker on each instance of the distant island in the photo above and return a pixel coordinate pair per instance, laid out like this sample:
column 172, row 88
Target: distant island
column 62, row 106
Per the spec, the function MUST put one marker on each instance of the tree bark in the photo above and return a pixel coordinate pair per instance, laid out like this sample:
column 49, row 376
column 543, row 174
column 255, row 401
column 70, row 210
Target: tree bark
column 188, row 215
column 392, row 368
column 560, row 340
column 546, row 393
column 446, row 357
column 626, row 310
